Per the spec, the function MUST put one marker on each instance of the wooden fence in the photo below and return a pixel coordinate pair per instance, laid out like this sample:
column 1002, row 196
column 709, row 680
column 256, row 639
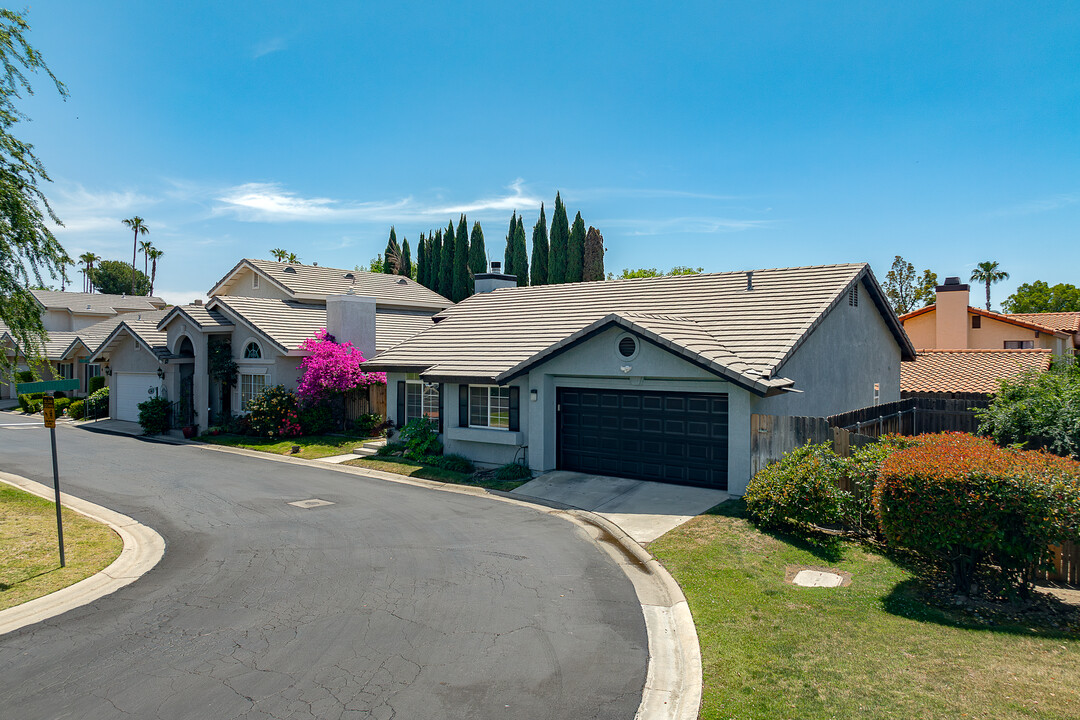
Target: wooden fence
column 364, row 401
column 771, row 436
column 928, row 413
column 1066, row 564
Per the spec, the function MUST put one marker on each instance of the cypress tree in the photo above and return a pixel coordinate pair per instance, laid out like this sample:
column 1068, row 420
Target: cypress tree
column 460, row 288
column 539, row 250
column 406, row 259
column 560, row 239
column 477, row 255
column 521, row 255
column 446, row 264
column 593, row 267
column 435, row 269
column 392, row 256
column 575, row 250
column 508, row 254
column 421, row 259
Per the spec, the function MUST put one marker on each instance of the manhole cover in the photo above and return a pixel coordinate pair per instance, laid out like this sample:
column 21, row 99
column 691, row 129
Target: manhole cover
column 817, row 578
column 312, row 503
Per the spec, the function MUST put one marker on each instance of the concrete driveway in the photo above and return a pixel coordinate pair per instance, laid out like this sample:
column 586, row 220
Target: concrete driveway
column 645, row 510
column 390, row 601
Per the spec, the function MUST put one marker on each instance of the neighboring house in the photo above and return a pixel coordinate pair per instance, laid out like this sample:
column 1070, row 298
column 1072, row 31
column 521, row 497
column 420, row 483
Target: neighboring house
column 652, row 378
column 262, row 311
column 965, row 349
column 70, row 311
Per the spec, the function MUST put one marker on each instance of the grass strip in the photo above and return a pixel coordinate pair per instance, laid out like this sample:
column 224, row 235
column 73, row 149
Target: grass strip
column 311, row 447
column 411, row 468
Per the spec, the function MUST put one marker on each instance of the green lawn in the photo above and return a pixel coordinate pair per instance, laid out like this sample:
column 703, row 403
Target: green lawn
column 773, row 650
column 315, row 446
column 29, row 562
column 410, row 468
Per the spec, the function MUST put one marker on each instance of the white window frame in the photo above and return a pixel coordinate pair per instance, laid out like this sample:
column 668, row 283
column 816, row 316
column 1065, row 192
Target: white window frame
column 93, row 370
column 251, row 394
column 429, row 399
column 491, row 393
column 258, row 348
column 60, row 371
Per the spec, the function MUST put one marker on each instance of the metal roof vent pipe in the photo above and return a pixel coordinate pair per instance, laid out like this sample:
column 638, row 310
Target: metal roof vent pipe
column 749, row 280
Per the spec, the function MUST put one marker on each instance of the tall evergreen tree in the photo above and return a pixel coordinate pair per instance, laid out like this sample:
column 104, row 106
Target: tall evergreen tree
column 435, row 271
column 392, row 255
column 477, row 255
column 460, row 288
column 508, row 254
column 446, row 264
column 521, row 255
column 575, row 250
column 539, row 274
column 421, row 260
column 593, row 265
column 406, row 259
column 560, row 239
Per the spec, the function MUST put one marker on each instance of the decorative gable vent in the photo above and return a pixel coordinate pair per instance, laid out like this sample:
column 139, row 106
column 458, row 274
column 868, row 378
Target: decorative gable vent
column 853, row 296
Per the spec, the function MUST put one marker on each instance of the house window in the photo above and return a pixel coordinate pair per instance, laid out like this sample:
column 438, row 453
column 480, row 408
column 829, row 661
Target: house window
column 976, row 322
column 250, row 387
column 65, row 371
column 93, row 370
column 421, row 400
column 253, row 351
column 1019, row 344
column 489, row 406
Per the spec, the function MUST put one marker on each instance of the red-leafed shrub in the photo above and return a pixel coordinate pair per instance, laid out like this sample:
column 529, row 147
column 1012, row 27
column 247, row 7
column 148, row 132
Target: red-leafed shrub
column 967, row 504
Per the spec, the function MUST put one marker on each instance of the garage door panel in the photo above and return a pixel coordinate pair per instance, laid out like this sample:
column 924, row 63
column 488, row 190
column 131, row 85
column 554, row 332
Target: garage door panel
column 132, row 389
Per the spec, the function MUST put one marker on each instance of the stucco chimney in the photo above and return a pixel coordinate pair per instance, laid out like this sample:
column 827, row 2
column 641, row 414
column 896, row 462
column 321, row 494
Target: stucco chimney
column 351, row 318
column 494, row 280
column 951, row 315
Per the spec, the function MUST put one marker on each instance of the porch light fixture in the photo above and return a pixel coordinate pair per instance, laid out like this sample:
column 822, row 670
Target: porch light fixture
column 108, row 371
column 160, row 374
column 532, row 395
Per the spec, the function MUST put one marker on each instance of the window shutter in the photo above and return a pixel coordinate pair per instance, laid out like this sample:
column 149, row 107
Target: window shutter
column 442, row 388
column 463, row 405
column 515, row 409
column 400, row 403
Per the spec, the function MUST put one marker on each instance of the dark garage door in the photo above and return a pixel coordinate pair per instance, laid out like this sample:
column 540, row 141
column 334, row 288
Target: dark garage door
column 670, row 437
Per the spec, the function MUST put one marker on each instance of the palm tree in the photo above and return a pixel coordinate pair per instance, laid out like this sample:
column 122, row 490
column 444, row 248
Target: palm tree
column 154, row 254
column 293, row 260
column 145, row 246
column 987, row 272
column 87, row 259
column 137, row 225
column 279, row 254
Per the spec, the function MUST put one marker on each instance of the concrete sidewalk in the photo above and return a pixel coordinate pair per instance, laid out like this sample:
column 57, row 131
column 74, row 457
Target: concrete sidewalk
column 644, row 510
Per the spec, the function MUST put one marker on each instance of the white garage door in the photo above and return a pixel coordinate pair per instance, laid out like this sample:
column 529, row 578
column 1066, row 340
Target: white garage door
column 132, row 389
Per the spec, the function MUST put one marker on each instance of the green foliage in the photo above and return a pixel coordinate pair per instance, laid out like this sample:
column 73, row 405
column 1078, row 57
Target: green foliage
column 28, row 249
column 75, row 410
column 508, row 254
column 802, row 488
column 368, row 424
column 274, row 413
column 95, row 384
column 113, row 277
column 317, row 419
column 220, row 363
column 477, row 255
column 453, row 463
column 593, row 265
column 575, row 251
column 392, row 255
column 154, row 416
column 1037, row 410
column 861, row 471
column 560, row 239
column 421, row 438
column 1040, row 297
column 97, row 403
column 435, row 260
column 392, row 447
column 407, row 268
column 375, row 264
column 906, row 290
column 653, row 272
column 513, row 471
column 521, row 255
column 461, row 277
column 420, row 269
column 987, row 272
column 540, row 251
column 24, row 376
column 446, row 263
column 60, row 404
column 30, row 403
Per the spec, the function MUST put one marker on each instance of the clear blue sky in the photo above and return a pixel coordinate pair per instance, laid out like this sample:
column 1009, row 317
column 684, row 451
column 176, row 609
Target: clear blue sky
column 726, row 135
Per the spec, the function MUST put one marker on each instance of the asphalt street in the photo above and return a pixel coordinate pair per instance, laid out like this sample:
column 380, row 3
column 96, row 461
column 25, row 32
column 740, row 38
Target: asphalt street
column 393, row 602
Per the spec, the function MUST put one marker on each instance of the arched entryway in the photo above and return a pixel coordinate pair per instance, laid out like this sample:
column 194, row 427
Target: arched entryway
column 184, row 407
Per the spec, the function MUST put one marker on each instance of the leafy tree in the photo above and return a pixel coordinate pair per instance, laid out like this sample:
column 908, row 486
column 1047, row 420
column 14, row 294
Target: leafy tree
column 653, row 272
column 446, row 264
column 392, row 255
column 113, row 277
column 279, row 254
column 906, row 290
column 406, row 259
column 575, row 251
column 1039, row 409
column 155, row 254
column 539, row 274
column 435, row 271
column 987, row 272
column 521, row 255
column 375, row 265
column 477, row 255
column 593, row 267
column 138, row 226
column 560, row 239
column 27, row 246
column 508, row 254
column 460, row 286
column 1039, row 297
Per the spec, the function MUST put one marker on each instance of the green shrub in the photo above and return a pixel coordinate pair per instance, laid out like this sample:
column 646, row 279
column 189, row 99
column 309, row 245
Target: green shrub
column 95, row 384
column 25, row 403
column 154, row 416
column 368, row 424
column 274, row 413
column 97, row 403
column 801, row 488
column 968, row 506
column 395, row 446
column 238, row 425
column 60, row 404
column 513, row 471
column 75, row 410
column 420, row 438
column 316, row 419
column 861, row 472
column 1038, row 410
column 25, row 376
column 454, row 463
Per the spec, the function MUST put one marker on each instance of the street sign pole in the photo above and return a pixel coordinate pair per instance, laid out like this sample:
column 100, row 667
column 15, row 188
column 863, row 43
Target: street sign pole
column 49, row 411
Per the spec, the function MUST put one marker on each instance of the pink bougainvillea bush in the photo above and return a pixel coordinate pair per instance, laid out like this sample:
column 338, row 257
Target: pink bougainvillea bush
column 332, row 367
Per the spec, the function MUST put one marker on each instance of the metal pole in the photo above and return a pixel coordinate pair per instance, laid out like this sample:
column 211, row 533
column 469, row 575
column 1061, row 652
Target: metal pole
column 56, row 485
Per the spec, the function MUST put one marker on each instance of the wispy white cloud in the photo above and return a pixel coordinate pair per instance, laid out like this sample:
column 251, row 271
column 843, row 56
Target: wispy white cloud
column 517, row 200
column 268, row 46
column 87, row 212
column 270, row 202
column 1054, row 202
column 693, row 225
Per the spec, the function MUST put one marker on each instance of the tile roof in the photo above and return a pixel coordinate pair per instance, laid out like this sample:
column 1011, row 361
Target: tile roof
column 289, row 323
column 1034, row 323
column 95, row 303
column 1061, row 321
column 752, row 333
column 142, row 326
column 971, row 371
column 311, row 280
column 198, row 314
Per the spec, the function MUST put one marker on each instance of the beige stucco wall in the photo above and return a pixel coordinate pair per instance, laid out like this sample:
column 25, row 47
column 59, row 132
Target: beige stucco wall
column 922, row 330
column 241, row 287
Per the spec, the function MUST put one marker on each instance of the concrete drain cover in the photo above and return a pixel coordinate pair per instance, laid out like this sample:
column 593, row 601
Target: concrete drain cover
column 312, row 503
column 817, row 578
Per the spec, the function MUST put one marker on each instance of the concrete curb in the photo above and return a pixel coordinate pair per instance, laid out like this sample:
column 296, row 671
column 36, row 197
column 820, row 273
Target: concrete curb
column 143, row 548
column 673, row 683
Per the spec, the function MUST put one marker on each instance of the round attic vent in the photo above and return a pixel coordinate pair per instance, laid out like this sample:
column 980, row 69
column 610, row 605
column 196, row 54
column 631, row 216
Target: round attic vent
column 402, row 281
column 349, row 276
column 290, row 270
column 627, row 346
